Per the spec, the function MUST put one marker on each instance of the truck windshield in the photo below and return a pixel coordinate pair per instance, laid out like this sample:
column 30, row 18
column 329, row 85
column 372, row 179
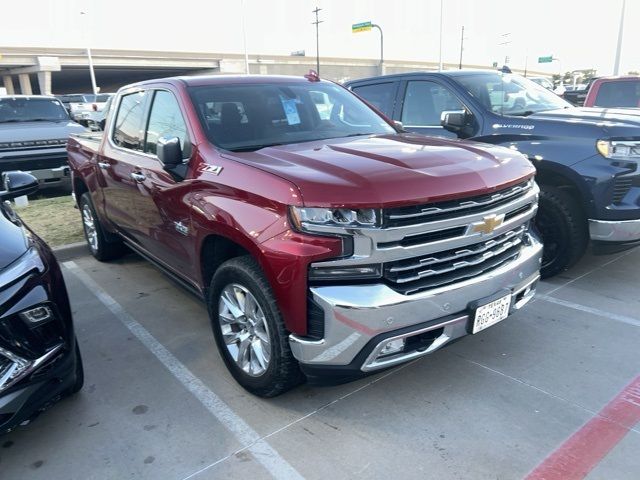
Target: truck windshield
column 507, row 94
column 251, row 117
column 31, row 110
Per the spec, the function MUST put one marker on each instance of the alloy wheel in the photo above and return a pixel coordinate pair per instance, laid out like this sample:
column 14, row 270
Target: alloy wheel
column 244, row 329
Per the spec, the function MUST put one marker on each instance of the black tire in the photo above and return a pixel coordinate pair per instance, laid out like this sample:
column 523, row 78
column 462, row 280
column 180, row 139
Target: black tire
column 282, row 372
column 563, row 228
column 103, row 246
column 79, row 374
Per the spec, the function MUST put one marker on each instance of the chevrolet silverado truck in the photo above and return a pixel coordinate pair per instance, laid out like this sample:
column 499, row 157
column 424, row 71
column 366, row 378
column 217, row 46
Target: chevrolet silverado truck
column 324, row 243
column 586, row 158
column 33, row 138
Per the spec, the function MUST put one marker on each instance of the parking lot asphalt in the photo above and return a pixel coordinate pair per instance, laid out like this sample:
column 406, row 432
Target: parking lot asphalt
column 539, row 392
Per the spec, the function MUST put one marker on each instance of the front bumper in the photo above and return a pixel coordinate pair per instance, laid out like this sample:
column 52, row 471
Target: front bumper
column 360, row 318
column 617, row 231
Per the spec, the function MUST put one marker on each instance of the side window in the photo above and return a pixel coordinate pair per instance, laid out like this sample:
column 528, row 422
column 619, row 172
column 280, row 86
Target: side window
column 165, row 120
column 127, row 132
column 424, row 102
column 382, row 95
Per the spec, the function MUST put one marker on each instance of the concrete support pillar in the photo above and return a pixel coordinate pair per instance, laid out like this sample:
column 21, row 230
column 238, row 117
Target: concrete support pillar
column 25, row 84
column 8, row 84
column 44, row 81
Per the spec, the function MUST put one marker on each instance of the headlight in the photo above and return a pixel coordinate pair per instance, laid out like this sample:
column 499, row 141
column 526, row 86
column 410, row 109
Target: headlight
column 314, row 219
column 621, row 149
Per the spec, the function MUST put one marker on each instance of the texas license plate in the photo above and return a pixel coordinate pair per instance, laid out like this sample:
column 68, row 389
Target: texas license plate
column 491, row 313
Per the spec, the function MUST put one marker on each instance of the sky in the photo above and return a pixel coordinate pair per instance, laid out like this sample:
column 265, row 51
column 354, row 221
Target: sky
column 580, row 34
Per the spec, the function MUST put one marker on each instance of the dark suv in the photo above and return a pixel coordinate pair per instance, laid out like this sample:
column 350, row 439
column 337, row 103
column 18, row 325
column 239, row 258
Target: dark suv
column 586, row 158
column 39, row 358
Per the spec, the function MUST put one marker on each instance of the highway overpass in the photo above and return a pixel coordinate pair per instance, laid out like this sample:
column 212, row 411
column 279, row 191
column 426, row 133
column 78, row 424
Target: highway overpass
column 66, row 70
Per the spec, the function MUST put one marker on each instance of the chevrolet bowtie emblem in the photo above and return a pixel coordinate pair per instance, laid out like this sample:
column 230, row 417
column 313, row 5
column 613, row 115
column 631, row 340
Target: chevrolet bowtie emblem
column 488, row 224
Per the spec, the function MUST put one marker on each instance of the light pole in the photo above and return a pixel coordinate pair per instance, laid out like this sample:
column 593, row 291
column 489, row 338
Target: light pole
column 461, row 48
column 506, row 37
column 373, row 25
column 616, row 64
column 440, row 54
column 244, row 39
column 94, row 86
column 317, row 24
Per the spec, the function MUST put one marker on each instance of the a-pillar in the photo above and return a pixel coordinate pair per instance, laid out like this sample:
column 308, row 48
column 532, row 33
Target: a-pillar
column 25, row 84
column 44, row 81
column 8, row 84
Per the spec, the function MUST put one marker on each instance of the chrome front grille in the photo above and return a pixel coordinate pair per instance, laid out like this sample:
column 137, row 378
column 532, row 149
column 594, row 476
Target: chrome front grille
column 412, row 215
column 418, row 248
column 450, row 266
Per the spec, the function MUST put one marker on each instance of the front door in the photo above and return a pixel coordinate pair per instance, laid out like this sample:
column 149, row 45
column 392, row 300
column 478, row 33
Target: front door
column 162, row 206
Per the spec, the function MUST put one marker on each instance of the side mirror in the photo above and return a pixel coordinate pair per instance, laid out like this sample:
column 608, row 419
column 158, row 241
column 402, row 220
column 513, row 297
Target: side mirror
column 169, row 152
column 16, row 184
column 454, row 120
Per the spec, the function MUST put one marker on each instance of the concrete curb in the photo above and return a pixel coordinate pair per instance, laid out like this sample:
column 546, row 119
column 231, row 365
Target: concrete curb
column 70, row 251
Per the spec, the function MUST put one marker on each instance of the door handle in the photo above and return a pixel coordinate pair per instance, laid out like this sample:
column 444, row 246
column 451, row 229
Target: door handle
column 138, row 176
column 104, row 165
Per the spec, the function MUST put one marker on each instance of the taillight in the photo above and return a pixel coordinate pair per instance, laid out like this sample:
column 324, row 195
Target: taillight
column 95, row 107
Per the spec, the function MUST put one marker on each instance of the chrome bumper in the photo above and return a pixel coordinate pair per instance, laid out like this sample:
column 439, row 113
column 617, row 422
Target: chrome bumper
column 615, row 231
column 357, row 314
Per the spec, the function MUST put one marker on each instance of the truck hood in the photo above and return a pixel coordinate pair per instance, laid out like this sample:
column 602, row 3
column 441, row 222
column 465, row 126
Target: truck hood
column 31, row 131
column 605, row 117
column 13, row 244
column 390, row 170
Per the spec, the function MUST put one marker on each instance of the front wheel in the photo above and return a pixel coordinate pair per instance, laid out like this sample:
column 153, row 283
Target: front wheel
column 249, row 329
column 563, row 228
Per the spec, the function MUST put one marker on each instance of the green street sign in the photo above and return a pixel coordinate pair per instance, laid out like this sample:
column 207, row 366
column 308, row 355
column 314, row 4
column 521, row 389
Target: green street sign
column 361, row 27
column 548, row 59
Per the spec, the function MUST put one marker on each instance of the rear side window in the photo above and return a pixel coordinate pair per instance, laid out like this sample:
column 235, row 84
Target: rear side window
column 381, row 95
column 127, row 132
column 619, row 94
column 165, row 120
column 424, row 103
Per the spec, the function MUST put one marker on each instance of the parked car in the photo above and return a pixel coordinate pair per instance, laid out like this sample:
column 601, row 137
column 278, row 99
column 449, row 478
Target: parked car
column 81, row 110
column 69, row 98
column 39, row 357
column 577, row 94
column 586, row 159
column 614, row 92
column 96, row 120
column 33, row 138
column 321, row 239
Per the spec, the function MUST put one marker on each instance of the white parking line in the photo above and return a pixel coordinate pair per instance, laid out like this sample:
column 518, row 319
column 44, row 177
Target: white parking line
column 277, row 466
column 594, row 311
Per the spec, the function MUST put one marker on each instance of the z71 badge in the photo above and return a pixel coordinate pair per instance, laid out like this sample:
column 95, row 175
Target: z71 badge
column 211, row 169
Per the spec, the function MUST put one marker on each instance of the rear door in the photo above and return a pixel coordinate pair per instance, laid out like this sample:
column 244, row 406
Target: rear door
column 382, row 95
column 120, row 158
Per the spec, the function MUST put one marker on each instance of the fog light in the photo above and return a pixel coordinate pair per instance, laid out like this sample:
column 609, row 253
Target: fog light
column 37, row 315
column 391, row 347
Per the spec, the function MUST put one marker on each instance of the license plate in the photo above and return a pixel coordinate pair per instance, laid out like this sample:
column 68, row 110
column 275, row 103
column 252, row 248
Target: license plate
column 491, row 313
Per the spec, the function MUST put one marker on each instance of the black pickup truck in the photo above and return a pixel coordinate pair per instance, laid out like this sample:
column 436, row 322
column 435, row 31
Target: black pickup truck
column 33, row 138
column 586, row 158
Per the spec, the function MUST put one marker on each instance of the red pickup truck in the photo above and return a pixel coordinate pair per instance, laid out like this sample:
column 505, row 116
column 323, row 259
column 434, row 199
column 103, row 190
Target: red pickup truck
column 325, row 242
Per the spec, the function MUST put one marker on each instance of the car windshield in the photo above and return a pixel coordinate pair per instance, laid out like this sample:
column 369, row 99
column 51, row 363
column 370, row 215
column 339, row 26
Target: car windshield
column 250, row 117
column 31, row 110
column 507, row 94
column 621, row 94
